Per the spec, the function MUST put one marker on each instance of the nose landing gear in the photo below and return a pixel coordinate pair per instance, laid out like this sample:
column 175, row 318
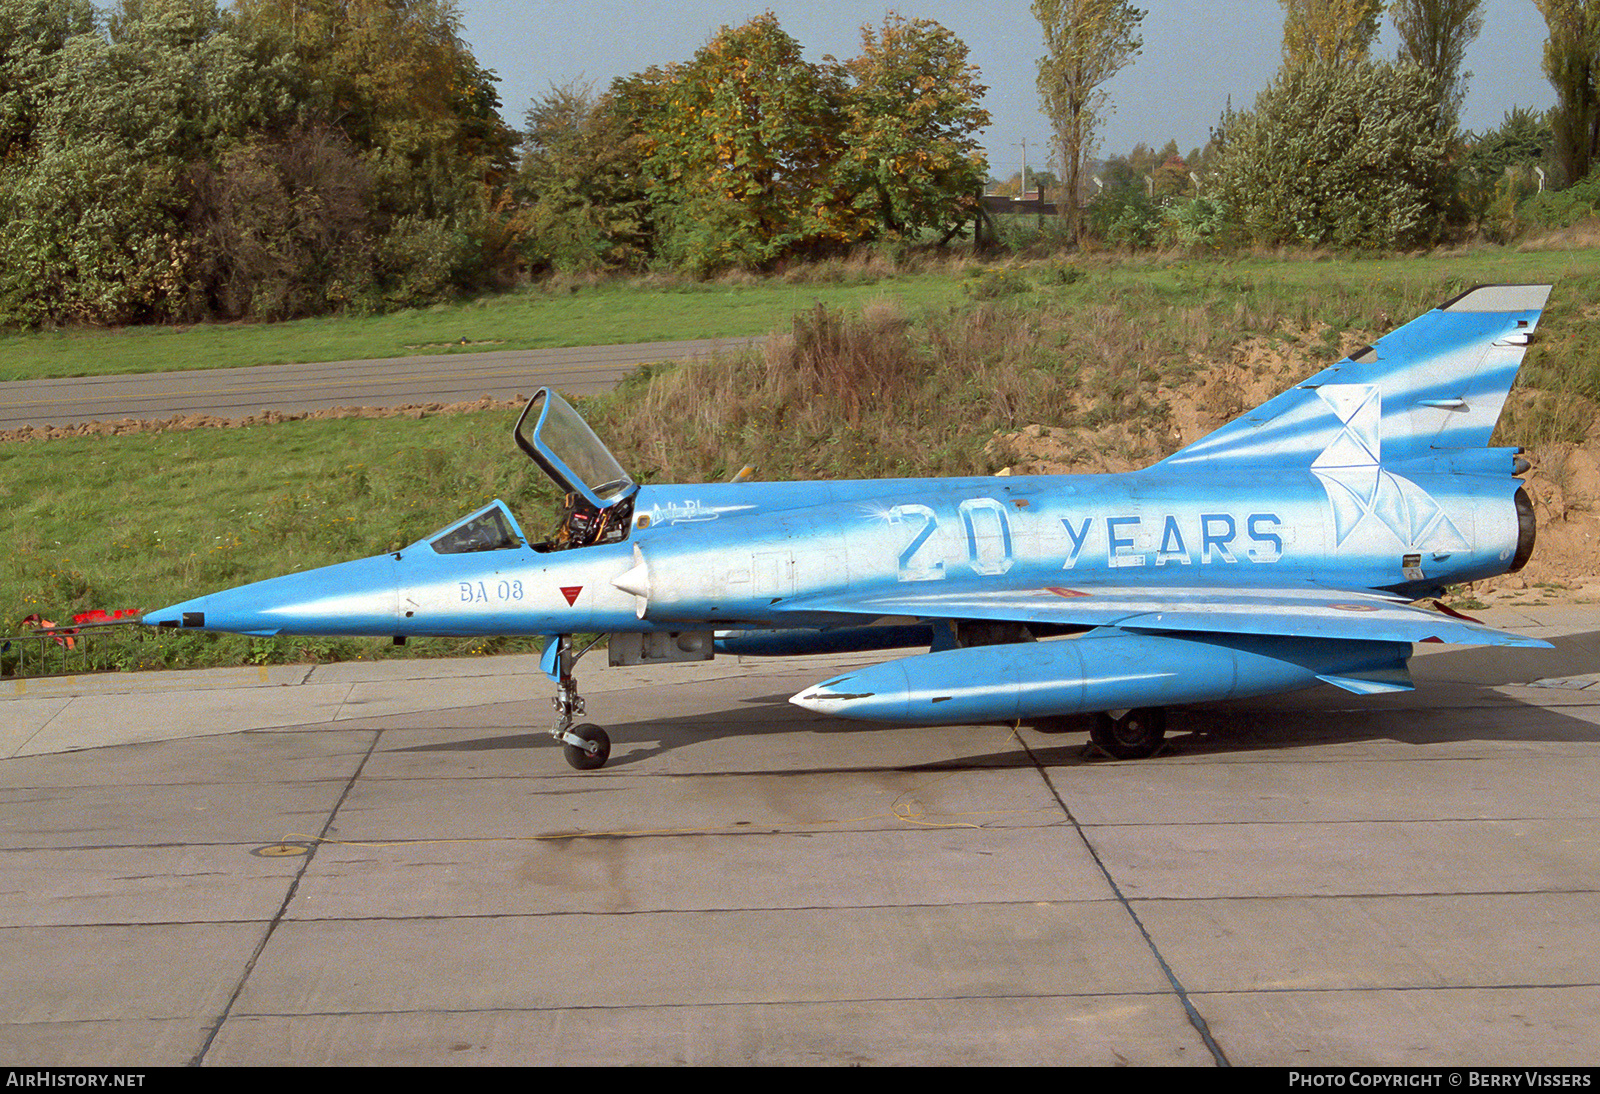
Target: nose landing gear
column 585, row 746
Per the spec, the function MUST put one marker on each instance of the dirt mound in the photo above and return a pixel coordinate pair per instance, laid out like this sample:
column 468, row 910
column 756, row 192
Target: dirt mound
column 1564, row 487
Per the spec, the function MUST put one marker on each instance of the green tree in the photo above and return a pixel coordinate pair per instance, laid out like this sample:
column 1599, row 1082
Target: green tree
column 395, row 77
column 1338, row 32
column 178, row 79
column 1435, row 34
column 379, row 70
column 912, row 119
column 1572, row 62
column 92, row 179
column 32, row 36
column 580, row 184
column 1347, row 155
column 1086, row 43
column 742, row 153
column 1523, row 139
column 285, row 157
column 1118, row 174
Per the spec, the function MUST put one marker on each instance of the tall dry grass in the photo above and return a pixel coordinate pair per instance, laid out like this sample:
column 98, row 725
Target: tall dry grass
column 881, row 394
column 843, row 396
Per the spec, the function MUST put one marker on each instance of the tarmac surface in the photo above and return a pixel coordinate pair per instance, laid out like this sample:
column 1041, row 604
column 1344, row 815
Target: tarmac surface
column 391, row 864
column 293, row 388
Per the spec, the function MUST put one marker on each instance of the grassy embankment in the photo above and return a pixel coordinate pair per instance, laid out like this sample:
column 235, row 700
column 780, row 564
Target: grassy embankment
column 909, row 389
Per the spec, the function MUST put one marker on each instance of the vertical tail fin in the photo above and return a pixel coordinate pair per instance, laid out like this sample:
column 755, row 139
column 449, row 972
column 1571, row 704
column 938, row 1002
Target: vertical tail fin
column 1434, row 386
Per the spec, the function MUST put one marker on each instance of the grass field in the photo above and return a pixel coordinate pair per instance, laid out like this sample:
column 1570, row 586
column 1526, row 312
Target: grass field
column 919, row 387
column 533, row 318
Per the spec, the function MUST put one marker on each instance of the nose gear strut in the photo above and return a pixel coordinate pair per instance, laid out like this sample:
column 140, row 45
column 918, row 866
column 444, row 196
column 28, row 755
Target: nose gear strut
column 585, row 746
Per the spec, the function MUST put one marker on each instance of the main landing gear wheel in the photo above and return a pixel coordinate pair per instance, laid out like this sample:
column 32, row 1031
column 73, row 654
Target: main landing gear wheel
column 592, row 753
column 1134, row 736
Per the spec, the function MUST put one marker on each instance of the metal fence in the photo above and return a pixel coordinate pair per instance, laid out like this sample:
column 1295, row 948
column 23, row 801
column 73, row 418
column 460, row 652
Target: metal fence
column 52, row 651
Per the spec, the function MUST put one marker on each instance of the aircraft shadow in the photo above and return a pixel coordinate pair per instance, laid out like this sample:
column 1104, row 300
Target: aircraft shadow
column 1455, row 700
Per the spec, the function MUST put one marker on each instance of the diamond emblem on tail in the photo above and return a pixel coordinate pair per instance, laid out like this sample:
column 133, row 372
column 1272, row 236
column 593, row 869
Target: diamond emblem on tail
column 1357, row 486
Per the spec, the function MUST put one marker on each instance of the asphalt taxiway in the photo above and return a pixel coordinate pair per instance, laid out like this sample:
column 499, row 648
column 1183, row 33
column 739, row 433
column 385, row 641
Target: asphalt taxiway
column 390, row 863
column 303, row 387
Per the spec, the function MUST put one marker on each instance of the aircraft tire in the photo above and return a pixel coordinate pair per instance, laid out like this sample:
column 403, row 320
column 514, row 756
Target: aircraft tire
column 1134, row 736
column 582, row 758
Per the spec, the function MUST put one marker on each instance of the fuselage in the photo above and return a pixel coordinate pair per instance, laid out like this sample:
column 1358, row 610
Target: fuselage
column 751, row 554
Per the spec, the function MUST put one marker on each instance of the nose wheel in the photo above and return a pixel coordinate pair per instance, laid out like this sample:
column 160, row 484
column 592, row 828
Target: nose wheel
column 585, row 746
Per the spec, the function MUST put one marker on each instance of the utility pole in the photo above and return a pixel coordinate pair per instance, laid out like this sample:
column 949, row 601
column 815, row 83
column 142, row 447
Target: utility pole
column 1022, row 191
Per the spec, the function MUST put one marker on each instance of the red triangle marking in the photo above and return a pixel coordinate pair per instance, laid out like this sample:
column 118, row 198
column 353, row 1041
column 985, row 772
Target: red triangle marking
column 571, row 593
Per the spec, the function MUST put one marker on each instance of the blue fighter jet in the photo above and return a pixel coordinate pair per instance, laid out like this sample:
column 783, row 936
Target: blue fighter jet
column 1286, row 548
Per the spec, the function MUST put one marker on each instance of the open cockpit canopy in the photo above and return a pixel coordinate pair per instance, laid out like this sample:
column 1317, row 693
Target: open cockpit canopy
column 562, row 443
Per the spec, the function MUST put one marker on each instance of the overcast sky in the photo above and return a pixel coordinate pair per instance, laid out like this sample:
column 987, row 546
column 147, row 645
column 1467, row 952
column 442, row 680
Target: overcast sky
column 1197, row 55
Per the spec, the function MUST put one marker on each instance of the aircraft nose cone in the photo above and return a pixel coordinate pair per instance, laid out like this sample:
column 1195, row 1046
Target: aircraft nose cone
column 183, row 614
column 357, row 597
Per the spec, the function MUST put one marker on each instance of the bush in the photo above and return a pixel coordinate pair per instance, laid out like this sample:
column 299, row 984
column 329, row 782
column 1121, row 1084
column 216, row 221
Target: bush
column 1353, row 156
column 991, row 284
column 1561, row 208
column 1124, row 218
column 1063, row 273
column 711, row 232
column 1031, row 233
column 1194, row 224
column 281, row 230
column 1127, row 218
column 89, row 236
column 421, row 261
